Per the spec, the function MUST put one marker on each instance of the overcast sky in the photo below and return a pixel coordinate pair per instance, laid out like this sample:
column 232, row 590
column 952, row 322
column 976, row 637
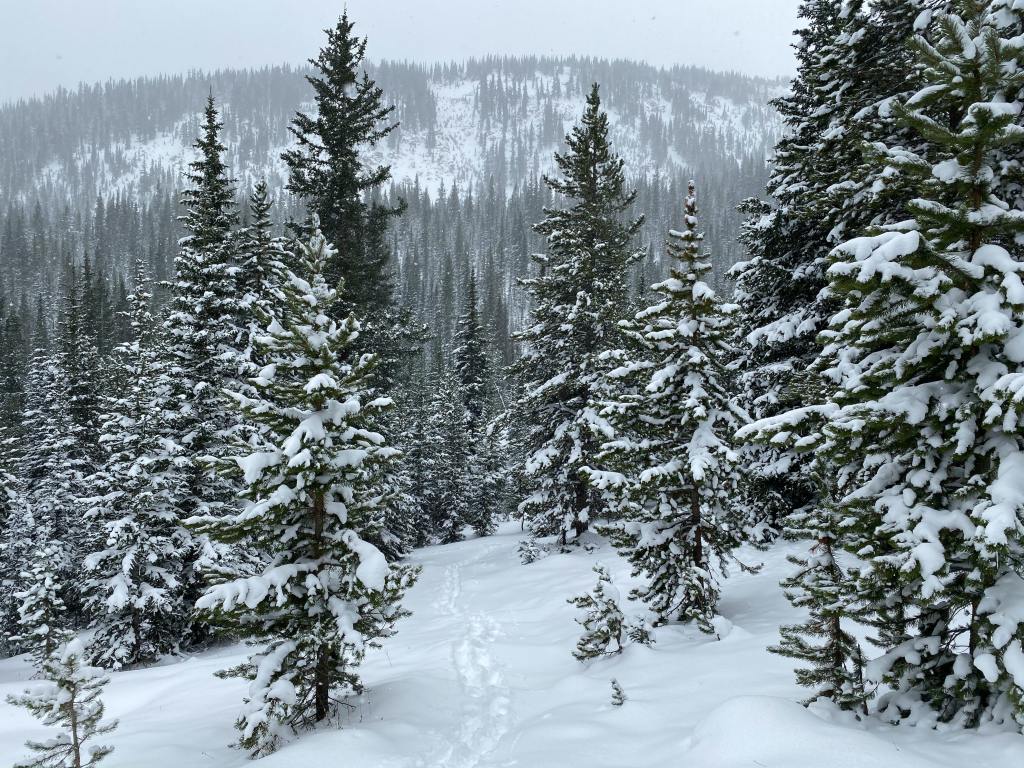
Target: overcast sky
column 47, row 43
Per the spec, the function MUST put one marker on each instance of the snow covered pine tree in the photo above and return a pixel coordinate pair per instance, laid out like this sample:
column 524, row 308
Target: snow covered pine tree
column 603, row 623
column 133, row 587
column 924, row 428
column 314, row 491
column 577, row 299
column 70, row 699
column 667, row 417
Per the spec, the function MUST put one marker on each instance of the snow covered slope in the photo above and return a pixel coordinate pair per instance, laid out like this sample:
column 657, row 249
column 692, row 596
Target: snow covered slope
column 465, row 124
column 481, row 676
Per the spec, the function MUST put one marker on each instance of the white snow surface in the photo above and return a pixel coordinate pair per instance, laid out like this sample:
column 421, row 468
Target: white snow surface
column 482, row 676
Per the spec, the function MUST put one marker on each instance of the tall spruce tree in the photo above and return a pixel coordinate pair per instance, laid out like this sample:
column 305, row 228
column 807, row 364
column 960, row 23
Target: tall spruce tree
column 577, row 299
column 475, row 380
column 201, row 334
column 779, row 285
column 314, row 494
column 667, row 417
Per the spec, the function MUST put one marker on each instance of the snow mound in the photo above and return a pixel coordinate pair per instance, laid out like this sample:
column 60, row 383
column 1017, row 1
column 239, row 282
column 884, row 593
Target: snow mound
column 777, row 733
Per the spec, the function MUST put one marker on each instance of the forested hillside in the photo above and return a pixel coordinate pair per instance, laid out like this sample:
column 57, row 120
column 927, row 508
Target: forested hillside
column 96, row 172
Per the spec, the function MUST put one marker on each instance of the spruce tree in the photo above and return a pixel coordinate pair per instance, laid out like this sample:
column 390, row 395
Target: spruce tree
column 52, row 465
column 259, row 255
column 133, row 586
column 576, row 300
column 603, row 623
column 201, row 326
column 853, row 66
column 328, row 173
column 69, row 699
column 42, row 614
column 923, row 427
column 667, row 417
column 832, row 659
column 314, row 491
column 449, row 492
column 18, row 545
column 474, row 374
column 201, row 334
column 779, row 285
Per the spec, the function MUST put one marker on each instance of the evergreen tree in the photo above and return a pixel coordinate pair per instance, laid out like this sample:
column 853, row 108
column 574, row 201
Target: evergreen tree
column 69, row 699
column 200, row 337
column 449, row 493
column 603, row 624
column 577, row 298
column 76, row 358
column 779, row 285
column 476, row 387
column 668, row 418
column 42, row 614
column 314, row 491
column 201, row 326
column 853, row 66
column 133, row 590
column 327, row 172
column 259, row 256
column 832, row 657
column 923, row 427
column 17, row 548
column 52, row 464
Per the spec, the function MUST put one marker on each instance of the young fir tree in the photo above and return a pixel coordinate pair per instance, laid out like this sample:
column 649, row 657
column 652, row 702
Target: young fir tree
column 472, row 366
column 133, row 586
column 603, row 624
column 448, row 491
column 70, row 699
column 328, row 173
column 314, row 491
column 923, row 428
column 668, row 417
column 259, row 256
column 42, row 614
column 576, row 300
column 832, row 659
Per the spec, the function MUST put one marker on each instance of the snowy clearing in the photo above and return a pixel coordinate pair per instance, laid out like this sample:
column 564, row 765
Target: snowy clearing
column 482, row 675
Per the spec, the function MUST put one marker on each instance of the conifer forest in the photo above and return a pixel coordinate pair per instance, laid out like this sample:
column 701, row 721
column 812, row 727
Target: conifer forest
column 521, row 410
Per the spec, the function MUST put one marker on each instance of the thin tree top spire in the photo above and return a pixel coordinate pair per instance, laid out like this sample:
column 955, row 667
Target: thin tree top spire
column 591, row 171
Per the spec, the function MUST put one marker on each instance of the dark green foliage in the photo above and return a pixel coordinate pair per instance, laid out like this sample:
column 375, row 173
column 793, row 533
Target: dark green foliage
column 328, row 174
column 577, row 298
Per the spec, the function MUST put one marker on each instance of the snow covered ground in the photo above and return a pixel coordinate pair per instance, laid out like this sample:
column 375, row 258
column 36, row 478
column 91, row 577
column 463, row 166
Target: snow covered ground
column 482, row 676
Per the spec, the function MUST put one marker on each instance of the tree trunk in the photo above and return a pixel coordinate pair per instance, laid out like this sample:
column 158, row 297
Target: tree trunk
column 76, row 742
column 578, row 525
column 322, row 693
column 322, row 673
column 698, row 539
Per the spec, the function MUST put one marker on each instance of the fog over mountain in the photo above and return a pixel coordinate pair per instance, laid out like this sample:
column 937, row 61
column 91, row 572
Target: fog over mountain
column 63, row 42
